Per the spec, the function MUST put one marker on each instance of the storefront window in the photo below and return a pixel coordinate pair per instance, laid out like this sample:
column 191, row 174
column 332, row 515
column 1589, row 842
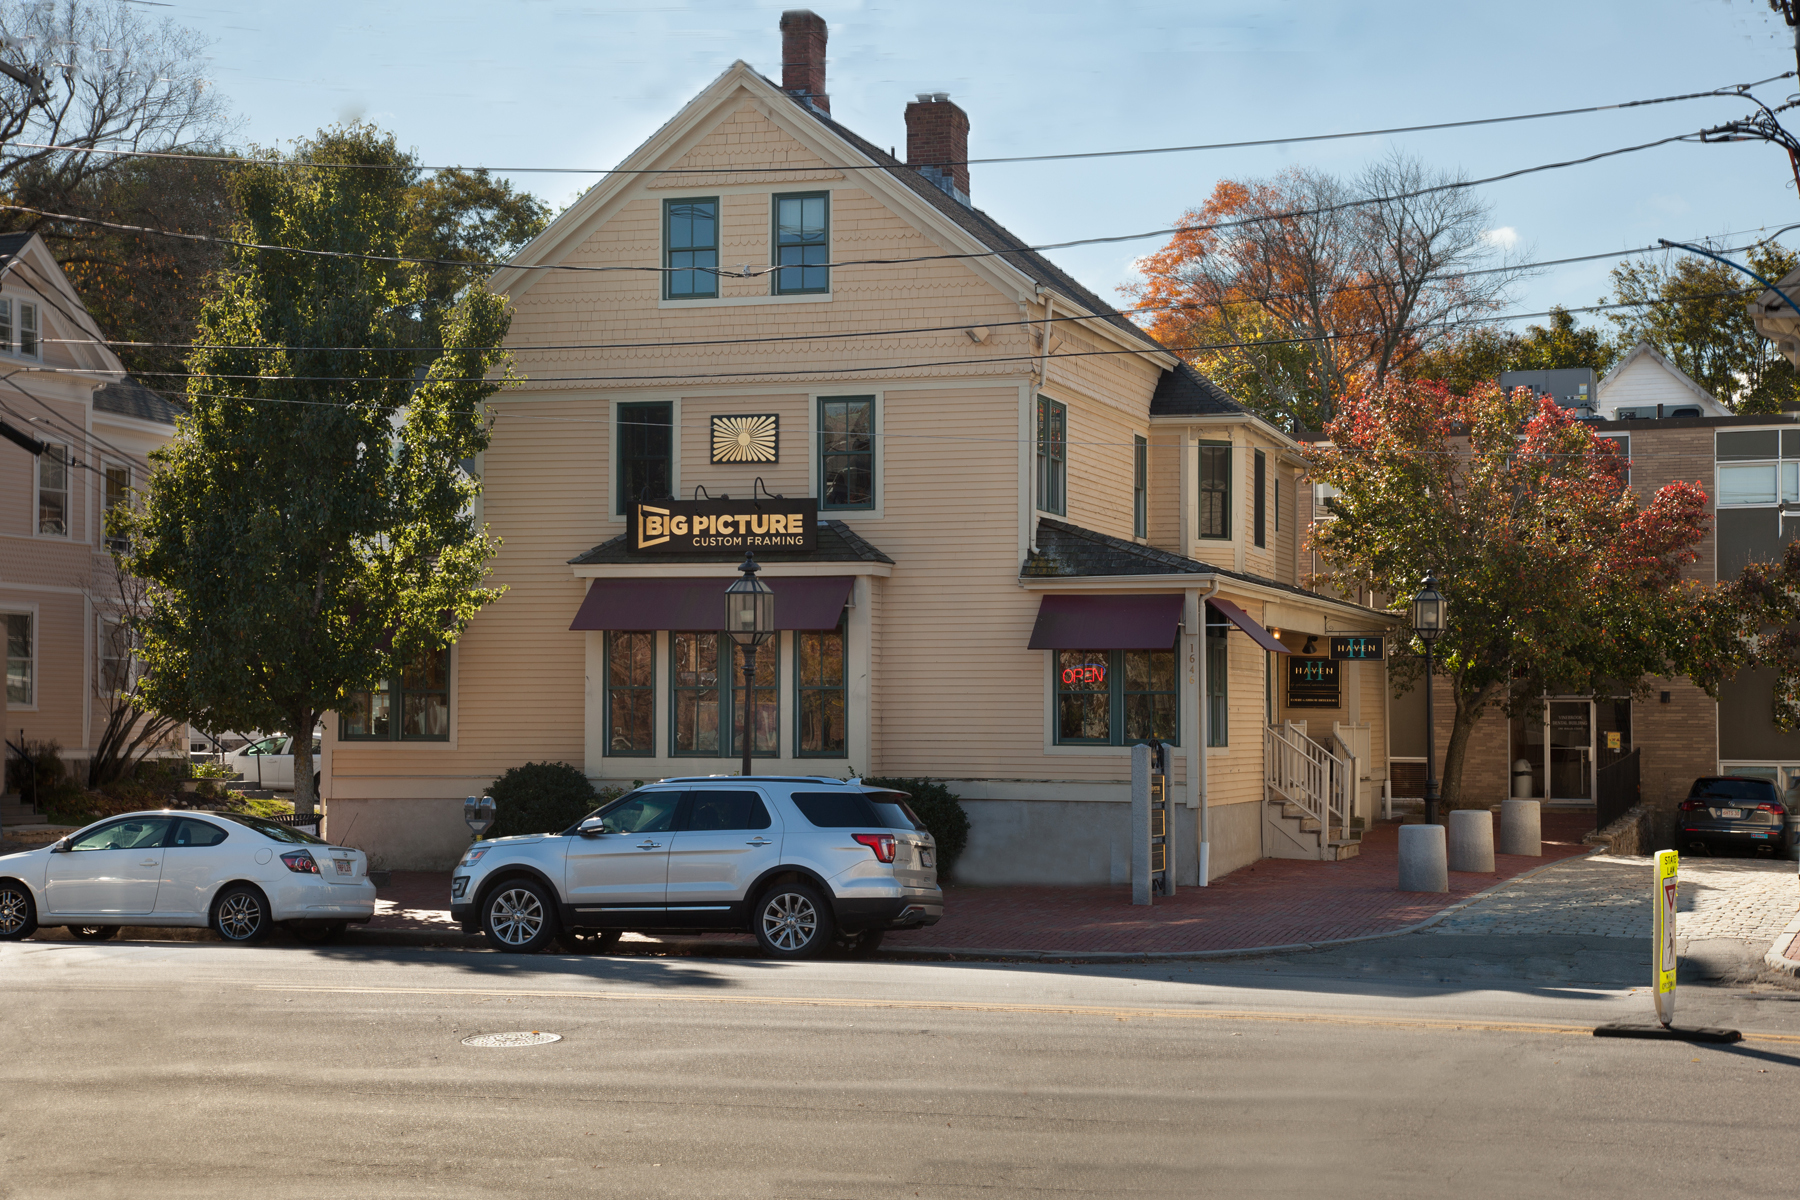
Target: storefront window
column 703, row 704
column 847, row 452
column 646, row 448
column 419, row 694
column 1052, row 456
column 1116, row 697
column 820, row 679
column 630, row 693
column 1215, row 490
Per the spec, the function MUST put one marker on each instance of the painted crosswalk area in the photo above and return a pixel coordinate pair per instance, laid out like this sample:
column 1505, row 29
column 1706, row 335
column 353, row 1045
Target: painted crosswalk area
column 1603, row 896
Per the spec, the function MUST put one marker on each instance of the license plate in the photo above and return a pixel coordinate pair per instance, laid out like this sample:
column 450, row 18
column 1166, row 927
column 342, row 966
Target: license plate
column 343, row 865
column 925, row 859
column 1731, row 814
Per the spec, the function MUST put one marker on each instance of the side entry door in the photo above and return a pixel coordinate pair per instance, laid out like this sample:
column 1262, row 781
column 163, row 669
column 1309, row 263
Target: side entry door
column 727, row 839
column 626, row 865
column 110, row 871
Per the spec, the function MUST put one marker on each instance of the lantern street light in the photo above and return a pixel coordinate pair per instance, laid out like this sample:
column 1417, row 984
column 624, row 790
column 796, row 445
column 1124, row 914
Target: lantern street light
column 750, row 620
column 1428, row 623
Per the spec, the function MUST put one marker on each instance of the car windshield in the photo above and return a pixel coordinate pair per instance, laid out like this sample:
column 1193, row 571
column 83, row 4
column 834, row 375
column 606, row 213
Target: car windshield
column 273, row 831
column 1754, row 791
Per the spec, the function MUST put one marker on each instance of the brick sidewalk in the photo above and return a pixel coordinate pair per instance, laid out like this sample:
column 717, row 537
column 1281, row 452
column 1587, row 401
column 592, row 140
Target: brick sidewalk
column 1271, row 903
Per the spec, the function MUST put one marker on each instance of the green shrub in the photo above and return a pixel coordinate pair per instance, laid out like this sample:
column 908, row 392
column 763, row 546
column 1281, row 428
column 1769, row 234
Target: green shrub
column 940, row 809
column 38, row 773
column 541, row 797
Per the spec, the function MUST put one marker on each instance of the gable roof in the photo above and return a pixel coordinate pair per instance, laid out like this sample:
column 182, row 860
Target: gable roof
column 12, row 243
column 1644, row 349
column 1185, row 392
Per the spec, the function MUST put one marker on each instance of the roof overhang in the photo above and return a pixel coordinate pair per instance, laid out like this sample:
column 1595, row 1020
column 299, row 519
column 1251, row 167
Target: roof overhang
column 651, row 569
column 1225, row 583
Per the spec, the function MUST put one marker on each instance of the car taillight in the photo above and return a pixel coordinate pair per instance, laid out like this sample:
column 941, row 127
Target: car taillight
column 1773, row 808
column 881, row 843
column 1691, row 805
column 301, row 861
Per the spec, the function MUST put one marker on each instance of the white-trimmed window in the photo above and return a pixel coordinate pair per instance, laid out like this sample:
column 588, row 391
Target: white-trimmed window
column 53, row 490
column 29, row 345
column 6, row 326
column 21, row 659
column 118, row 657
column 118, row 495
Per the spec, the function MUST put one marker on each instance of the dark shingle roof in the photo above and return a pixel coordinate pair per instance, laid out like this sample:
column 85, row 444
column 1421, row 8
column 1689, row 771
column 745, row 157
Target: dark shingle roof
column 1069, row 551
column 129, row 398
column 1185, row 392
column 836, row 542
column 12, row 243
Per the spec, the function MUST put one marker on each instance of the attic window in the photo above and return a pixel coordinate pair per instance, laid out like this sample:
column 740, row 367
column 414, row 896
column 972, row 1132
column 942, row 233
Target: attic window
column 27, row 327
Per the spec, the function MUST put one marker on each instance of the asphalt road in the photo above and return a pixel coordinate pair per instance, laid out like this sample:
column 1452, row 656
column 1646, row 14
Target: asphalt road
column 1446, row 1066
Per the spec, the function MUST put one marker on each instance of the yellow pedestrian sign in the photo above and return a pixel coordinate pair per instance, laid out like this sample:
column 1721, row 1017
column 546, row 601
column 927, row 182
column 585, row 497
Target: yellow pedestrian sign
column 1667, row 891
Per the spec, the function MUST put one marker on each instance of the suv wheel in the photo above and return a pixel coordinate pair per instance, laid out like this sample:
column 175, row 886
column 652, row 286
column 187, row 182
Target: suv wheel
column 241, row 915
column 18, row 916
column 518, row 916
column 793, row 922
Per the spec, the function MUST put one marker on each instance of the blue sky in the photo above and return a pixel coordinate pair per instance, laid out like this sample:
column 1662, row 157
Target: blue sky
column 558, row 83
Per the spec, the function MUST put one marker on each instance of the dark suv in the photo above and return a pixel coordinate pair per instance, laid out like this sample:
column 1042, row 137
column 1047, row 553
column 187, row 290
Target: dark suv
column 1733, row 810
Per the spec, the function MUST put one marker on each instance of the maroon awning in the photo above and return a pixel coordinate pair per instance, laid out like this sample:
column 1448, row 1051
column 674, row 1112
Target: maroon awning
column 1106, row 622
column 801, row 602
column 1247, row 623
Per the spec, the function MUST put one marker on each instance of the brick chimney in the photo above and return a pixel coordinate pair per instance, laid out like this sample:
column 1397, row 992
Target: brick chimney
column 803, row 56
column 937, row 142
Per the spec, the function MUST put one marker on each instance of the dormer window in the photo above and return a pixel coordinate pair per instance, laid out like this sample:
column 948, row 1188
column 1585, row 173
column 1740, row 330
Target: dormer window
column 27, row 328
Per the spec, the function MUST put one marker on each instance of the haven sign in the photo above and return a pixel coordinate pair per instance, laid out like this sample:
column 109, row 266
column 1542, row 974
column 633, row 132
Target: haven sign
column 698, row 526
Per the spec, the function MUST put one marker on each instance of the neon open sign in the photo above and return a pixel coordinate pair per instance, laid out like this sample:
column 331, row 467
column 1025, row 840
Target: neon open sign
column 1090, row 674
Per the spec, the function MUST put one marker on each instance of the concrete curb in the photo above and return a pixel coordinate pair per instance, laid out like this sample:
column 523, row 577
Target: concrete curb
column 456, row 939
column 1775, row 958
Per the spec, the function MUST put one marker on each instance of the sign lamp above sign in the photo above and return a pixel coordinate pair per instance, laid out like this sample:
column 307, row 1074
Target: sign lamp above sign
column 703, row 526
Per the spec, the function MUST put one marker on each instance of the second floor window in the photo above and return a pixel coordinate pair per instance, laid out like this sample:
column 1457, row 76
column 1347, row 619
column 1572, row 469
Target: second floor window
column 1260, row 498
column 1052, row 456
column 118, row 495
column 53, row 490
column 1140, row 487
column 847, row 452
column 27, row 328
column 646, row 453
column 802, row 243
column 1215, row 489
column 691, row 248
column 20, row 662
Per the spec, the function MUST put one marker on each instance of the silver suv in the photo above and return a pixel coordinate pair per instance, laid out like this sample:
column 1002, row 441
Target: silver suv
column 804, row 863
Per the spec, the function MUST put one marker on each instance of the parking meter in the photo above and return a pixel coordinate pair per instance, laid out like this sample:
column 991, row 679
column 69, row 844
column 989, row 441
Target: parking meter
column 478, row 814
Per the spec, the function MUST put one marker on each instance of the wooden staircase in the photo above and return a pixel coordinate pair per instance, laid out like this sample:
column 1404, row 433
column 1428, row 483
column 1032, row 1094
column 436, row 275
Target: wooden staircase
column 1309, row 799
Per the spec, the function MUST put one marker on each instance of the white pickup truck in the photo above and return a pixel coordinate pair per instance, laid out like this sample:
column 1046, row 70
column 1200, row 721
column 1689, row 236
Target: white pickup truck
column 269, row 763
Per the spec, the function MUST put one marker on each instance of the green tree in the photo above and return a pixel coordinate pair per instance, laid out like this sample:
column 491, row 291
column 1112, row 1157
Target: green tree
column 1693, row 311
column 464, row 217
column 1557, row 578
column 1480, row 355
column 310, row 528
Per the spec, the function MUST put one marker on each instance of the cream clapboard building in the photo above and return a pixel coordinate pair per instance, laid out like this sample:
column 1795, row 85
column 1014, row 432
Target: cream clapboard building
column 1023, row 505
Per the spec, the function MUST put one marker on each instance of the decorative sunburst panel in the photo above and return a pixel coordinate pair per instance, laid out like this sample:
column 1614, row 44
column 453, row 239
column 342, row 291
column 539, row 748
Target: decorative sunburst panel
column 752, row 439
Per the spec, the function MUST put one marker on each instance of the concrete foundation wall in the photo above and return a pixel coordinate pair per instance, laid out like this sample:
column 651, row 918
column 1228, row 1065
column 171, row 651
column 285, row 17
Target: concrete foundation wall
column 400, row 834
column 1084, row 843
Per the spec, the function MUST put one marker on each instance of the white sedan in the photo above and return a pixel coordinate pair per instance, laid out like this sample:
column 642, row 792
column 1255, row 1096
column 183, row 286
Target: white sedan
column 241, row 875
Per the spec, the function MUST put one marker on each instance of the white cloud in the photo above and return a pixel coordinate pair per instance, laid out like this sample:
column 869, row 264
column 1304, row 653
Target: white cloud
column 1505, row 237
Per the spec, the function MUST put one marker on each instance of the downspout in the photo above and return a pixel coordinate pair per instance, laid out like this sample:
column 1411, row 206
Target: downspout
column 1197, row 749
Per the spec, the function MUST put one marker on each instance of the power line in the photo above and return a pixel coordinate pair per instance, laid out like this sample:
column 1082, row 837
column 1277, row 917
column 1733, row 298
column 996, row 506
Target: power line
column 759, row 272
column 1729, row 91
column 1177, row 306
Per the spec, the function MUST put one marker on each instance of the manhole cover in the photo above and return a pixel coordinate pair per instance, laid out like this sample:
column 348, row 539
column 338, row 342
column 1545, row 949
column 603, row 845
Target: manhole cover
column 512, row 1039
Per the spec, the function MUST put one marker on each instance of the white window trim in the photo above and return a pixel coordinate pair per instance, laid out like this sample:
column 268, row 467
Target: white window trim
column 814, row 471
column 37, row 640
column 106, row 465
column 37, row 330
column 37, row 487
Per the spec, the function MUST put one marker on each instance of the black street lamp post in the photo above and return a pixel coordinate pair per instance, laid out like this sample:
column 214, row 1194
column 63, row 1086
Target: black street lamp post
column 1428, row 623
column 750, row 620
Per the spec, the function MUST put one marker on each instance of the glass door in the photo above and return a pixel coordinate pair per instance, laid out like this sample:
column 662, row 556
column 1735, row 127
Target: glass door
column 1571, row 745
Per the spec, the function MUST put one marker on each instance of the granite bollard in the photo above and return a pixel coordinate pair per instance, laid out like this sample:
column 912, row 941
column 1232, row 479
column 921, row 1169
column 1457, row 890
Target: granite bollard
column 1471, row 837
column 1521, row 828
column 1423, row 867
